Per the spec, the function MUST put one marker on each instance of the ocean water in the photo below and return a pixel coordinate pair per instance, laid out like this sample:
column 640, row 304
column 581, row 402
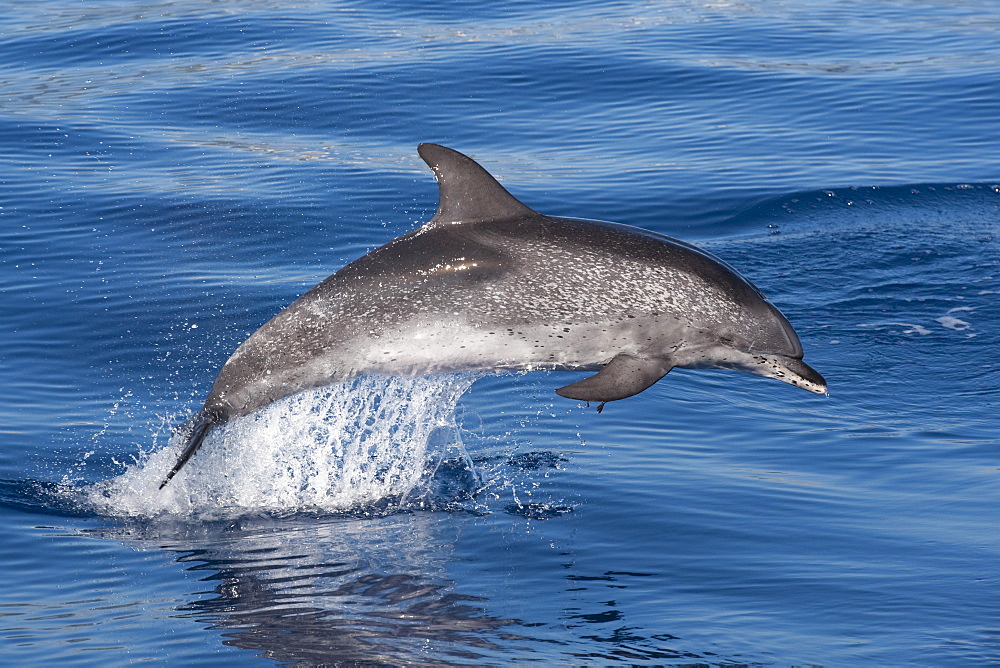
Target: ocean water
column 172, row 174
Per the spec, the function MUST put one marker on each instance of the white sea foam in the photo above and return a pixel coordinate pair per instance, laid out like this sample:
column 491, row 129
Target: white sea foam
column 951, row 322
column 372, row 442
column 908, row 327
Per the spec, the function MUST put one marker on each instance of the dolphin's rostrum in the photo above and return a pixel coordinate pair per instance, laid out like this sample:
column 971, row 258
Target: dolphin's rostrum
column 489, row 283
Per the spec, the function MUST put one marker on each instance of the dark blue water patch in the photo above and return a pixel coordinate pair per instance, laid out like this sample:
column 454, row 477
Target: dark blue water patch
column 355, row 588
column 531, row 461
column 938, row 198
column 538, row 511
column 113, row 43
column 472, row 13
column 798, row 105
column 454, row 483
column 910, row 224
column 716, row 105
column 39, row 498
column 110, row 174
column 329, row 595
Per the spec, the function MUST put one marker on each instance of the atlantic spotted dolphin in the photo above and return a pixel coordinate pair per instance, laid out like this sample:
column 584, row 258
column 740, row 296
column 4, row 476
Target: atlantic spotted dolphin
column 489, row 283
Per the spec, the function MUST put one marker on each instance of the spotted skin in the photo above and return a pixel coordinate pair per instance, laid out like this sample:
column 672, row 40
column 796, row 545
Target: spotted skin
column 489, row 283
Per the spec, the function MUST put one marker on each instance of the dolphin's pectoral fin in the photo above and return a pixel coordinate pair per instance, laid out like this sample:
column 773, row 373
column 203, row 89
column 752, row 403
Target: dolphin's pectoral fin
column 622, row 377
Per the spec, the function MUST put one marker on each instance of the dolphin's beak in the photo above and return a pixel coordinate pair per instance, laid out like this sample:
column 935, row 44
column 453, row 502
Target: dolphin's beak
column 792, row 371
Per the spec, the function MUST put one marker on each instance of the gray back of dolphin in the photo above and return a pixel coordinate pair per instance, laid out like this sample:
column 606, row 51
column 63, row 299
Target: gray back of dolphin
column 489, row 283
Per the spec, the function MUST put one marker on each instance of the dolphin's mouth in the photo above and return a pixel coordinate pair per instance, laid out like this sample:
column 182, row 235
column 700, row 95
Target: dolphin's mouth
column 788, row 370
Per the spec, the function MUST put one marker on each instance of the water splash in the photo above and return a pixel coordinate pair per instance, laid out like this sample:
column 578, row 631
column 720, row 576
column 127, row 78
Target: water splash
column 373, row 443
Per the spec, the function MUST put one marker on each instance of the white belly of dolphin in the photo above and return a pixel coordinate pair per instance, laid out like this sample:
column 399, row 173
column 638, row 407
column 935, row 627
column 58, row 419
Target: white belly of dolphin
column 427, row 347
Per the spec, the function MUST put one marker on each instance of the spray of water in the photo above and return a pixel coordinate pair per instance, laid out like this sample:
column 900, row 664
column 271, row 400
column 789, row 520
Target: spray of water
column 372, row 443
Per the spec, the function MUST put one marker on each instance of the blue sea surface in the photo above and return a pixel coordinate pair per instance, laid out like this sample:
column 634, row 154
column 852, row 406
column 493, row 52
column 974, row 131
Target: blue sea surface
column 172, row 174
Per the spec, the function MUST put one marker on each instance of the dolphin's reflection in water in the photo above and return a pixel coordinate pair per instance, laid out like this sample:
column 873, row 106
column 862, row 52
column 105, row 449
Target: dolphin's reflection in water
column 335, row 590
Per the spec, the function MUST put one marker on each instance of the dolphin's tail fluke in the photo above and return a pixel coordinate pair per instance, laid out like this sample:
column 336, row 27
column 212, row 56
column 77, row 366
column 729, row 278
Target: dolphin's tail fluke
column 199, row 426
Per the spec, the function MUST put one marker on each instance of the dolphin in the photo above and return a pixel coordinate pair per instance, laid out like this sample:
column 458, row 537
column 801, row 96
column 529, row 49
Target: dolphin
column 489, row 283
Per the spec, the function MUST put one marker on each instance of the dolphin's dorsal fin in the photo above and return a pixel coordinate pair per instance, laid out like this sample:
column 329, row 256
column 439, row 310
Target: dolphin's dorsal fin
column 468, row 193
